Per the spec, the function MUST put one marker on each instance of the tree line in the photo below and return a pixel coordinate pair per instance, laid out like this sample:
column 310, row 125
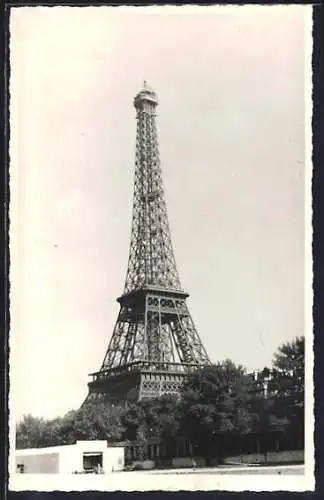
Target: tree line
column 218, row 401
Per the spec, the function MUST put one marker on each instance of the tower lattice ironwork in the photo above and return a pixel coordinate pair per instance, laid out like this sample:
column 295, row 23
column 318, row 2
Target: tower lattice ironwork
column 154, row 344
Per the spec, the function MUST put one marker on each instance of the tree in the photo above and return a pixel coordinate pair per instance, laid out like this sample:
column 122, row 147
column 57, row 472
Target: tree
column 156, row 417
column 289, row 361
column 95, row 420
column 216, row 402
column 30, row 432
column 167, row 409
column 133, row 421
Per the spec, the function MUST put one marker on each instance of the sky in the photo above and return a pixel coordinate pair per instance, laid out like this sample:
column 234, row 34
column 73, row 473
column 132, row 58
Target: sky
column 231, row 122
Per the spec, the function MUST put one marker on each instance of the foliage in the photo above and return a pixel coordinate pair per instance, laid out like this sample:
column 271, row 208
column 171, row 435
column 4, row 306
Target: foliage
column 151, row 418
column 98, row 420
column 30, row 432
column 283, row 410
column 216, row 401
column 92, row 421
column 289, row 361
column 133, row 420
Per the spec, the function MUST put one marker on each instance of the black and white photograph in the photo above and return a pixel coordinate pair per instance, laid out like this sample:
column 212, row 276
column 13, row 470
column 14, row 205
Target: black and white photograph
column 161, row 328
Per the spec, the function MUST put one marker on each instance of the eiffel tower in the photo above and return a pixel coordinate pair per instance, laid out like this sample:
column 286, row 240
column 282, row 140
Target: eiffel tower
column 154, row 345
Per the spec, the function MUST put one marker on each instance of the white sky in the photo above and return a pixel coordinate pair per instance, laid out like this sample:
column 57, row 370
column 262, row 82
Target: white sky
column 231, row 122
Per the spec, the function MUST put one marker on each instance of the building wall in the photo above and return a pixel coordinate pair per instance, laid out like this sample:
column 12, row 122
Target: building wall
column 45, row 463
column 113, row 459
column 69, row 458
column 72, row 456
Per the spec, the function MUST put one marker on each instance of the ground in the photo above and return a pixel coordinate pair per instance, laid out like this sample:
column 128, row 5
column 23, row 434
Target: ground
column 280, row 470
column 246, row 478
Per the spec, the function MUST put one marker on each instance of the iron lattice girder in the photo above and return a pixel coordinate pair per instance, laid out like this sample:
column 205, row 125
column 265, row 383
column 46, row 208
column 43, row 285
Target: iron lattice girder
column 154, row 327
column 151, row 258
column 140, row 380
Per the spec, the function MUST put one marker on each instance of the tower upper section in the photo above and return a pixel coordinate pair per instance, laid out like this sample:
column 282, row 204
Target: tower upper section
column 146, row 100
column 151, row 258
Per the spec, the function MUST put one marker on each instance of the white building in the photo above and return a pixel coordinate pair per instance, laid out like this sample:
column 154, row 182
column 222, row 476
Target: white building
column 83, row 456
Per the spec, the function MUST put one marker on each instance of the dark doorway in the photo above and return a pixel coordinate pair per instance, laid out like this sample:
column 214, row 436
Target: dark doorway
column 91, row 461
